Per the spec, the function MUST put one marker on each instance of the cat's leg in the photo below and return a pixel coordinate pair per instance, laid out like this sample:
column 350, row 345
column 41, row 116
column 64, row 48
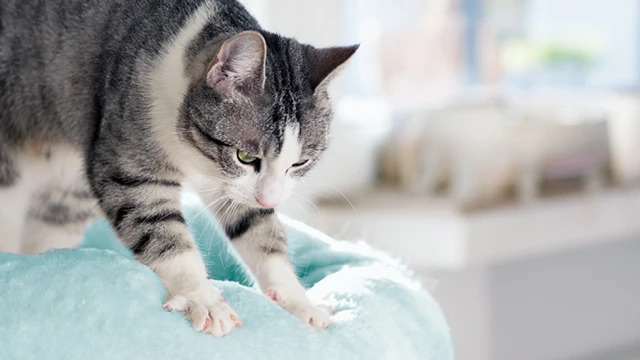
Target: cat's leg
column 14, row 198
column 57, row 218
column 61, row 208
column 144, row 208
column 260, row 239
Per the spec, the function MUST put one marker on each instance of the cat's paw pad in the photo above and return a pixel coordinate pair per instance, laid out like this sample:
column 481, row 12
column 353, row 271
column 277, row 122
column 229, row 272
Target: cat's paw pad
column 272, row 294
column 212, row 316
column 310, row 315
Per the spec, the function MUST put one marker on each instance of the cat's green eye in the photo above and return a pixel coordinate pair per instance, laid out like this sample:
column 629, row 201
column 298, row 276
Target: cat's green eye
column 246, row 158
column 300, row 163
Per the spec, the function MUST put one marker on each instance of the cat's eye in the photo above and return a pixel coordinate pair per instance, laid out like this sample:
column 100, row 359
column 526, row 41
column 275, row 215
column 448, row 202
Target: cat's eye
column 245, row 158
column 300, row 163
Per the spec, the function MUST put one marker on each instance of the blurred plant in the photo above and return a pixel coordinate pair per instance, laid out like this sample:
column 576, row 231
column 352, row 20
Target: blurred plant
column 524, row 54
column 554, row 54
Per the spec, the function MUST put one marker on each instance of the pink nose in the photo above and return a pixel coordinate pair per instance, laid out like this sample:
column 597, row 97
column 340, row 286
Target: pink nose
column 266, row 204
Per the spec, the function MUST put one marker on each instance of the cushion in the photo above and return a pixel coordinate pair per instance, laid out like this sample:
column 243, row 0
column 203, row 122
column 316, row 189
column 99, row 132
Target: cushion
column 96, row 302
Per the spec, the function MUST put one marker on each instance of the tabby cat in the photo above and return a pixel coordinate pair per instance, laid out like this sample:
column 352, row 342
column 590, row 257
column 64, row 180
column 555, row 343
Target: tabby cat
column 108, row 107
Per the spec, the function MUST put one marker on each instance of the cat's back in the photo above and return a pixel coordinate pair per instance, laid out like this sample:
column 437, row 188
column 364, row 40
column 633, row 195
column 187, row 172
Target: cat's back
column 46, row 51
column 58, row 56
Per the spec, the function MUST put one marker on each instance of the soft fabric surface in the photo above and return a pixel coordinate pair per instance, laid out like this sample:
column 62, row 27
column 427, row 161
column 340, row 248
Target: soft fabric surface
column 98, row 303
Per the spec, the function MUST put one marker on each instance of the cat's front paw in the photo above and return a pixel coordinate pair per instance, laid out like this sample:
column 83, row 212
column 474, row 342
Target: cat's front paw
column 209, row 314
column 309, row 314
column 313, row 316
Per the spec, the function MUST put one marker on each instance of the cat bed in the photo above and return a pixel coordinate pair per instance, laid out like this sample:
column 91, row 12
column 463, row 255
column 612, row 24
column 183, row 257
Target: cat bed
column 98, row 303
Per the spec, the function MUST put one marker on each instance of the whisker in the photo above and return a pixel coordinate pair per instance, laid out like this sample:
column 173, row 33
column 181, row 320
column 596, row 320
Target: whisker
column 339, row 192
column 229, row 210
column 309, row 201
column 209, row 191
column 226, row 197
column 217, row 179
column 303, row 211
column 227, row 200
column 324, row 197
column 227, row 213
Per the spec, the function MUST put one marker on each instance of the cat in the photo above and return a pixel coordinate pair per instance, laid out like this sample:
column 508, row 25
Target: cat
column 109, row 107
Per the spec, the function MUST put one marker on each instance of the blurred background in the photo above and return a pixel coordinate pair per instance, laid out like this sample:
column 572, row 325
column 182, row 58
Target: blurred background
column 493, row 146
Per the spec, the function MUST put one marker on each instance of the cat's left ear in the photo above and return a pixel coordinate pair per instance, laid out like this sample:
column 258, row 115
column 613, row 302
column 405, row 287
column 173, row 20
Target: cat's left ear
column 239, row 65
column 324, row 64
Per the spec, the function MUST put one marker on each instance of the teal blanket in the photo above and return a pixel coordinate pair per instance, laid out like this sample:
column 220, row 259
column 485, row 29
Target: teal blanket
column 98, row 303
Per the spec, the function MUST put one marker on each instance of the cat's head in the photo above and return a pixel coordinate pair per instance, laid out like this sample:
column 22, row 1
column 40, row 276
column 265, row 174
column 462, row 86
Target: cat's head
column 259, row 111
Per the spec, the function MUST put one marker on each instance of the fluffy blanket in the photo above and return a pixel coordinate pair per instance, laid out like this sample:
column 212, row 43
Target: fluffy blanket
column 97, row 303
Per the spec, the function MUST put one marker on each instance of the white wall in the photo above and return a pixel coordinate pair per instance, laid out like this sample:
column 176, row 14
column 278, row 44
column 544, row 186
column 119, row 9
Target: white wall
column 309, row 21
column 582, row 304
column 568, row 305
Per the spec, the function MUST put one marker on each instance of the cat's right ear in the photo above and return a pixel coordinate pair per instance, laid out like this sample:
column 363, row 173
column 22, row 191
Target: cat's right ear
column 324, row 64
column 239, row 65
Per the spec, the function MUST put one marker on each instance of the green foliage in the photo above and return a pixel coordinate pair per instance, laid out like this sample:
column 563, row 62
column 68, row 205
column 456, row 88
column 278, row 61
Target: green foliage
column 522, row 54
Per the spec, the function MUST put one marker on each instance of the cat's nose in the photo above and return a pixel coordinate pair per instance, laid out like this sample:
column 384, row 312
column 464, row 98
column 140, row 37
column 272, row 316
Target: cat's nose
column 266, row 203
column 268, row 192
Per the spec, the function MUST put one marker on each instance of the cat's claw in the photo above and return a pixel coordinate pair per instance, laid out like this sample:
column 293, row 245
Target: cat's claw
column 211, row 315
column 313, row 316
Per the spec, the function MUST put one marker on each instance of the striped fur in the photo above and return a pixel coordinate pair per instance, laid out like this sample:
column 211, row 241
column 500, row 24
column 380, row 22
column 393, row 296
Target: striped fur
column 109, row 107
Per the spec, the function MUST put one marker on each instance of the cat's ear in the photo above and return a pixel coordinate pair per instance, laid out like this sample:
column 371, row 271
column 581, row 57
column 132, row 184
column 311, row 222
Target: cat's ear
column 239, row 65
column 324, row 64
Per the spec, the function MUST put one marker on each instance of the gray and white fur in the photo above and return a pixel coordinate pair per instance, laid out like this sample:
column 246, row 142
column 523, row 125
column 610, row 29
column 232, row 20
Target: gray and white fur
column 107, row 107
